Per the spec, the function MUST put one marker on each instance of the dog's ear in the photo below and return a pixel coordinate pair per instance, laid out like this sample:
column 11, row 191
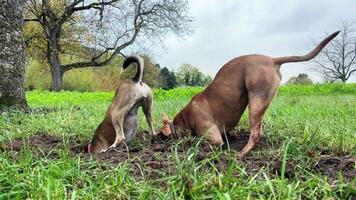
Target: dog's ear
column 166, row 129
column 88, row 148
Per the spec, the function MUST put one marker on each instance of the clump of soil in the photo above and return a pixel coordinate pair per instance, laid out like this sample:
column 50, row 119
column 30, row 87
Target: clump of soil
column 155, row 153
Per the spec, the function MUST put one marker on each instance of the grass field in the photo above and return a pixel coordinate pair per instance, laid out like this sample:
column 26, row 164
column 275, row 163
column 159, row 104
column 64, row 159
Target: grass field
column 308, row 151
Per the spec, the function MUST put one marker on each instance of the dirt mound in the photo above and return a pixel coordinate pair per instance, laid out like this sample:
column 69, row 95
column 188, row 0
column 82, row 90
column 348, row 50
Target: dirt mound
column 156, row 153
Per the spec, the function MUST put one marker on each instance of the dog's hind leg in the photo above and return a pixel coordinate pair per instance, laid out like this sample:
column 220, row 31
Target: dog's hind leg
column 258, row 104
column 118, row 116
column 130, row 126
column 146, row 107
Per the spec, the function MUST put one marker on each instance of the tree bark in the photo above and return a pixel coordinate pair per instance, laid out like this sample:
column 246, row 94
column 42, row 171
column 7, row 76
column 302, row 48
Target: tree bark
column 57, row 76
column 12, row 55
column 57, row 72
column 54, row 61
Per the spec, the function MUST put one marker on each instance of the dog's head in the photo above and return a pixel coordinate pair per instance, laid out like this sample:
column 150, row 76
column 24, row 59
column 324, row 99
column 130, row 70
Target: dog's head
column 171, row 128
column 103, row 137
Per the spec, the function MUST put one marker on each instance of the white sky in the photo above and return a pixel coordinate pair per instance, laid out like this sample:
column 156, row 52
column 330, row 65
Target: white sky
column 224, row 29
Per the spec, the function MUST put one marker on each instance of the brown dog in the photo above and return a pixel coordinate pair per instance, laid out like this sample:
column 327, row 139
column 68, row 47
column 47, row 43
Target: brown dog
column 250, row 80
column 119, row 126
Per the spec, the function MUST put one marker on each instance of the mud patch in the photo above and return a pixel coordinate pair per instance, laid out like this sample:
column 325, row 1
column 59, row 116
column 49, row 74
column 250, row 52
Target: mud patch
column 149, row 155
column 41, row 140
column 331, row 166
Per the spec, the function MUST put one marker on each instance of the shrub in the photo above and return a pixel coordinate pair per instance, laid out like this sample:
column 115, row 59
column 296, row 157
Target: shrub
column 302, row 79
column 318, row 89
column 37, row 75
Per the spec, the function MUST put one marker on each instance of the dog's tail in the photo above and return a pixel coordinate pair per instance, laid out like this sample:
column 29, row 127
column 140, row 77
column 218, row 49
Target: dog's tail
column 139, row 63
column 310, row 55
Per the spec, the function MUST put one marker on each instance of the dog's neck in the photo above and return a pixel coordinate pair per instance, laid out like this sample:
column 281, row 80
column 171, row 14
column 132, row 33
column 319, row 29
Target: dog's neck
column 173, row 128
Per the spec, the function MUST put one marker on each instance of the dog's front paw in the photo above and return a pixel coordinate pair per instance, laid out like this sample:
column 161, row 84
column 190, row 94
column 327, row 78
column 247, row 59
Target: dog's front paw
column 113, row 146
column 104, row 150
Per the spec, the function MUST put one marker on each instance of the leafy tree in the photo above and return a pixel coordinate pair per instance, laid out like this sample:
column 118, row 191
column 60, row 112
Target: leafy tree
column 12, row 55
column 36, row 41
column 168, row 79
column 338, row 60
column 102, row 29
column 207, row 79
column 191, row 76
column 301, row 79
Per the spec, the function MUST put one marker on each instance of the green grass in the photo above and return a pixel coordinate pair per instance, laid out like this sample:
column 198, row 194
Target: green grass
column 318, row 117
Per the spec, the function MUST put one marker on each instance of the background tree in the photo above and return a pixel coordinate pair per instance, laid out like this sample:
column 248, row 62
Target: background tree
column 106, row 28
column 302, row 79
column 12, row 56
column 191, row 76
column 338, row 60
column 168, row 78
column 207, row 79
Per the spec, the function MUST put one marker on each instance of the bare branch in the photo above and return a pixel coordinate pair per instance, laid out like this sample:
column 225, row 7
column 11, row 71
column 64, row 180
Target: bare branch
column 31, row 20
column 338, row 60
column 95, row 60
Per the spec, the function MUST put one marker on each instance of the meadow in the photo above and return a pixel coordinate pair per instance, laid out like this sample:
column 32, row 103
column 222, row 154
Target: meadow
column 308, row 151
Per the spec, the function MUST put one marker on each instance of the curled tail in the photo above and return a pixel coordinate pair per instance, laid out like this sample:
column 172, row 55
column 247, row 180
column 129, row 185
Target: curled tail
column 310, row 55
column 139, row 63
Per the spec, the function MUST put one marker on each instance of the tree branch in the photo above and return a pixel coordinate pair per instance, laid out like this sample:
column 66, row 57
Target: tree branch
column 70, row 9
column 31, row 20
column 94, row 60
column 340, row 55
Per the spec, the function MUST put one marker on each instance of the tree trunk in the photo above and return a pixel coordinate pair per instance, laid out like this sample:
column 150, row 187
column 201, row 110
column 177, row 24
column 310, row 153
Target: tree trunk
column 56, row 71
column 12, row 54
column 54, row 61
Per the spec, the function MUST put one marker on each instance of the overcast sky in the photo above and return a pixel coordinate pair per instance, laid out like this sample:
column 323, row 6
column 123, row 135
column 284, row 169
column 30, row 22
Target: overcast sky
column 224, row 29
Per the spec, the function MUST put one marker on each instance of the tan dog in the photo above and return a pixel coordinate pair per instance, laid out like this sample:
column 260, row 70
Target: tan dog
column 250, row 80
column 119, row 126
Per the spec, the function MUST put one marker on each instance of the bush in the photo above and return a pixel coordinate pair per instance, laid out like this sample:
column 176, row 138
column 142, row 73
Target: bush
column 301, row 79
column 37, row 75
column 92, row 79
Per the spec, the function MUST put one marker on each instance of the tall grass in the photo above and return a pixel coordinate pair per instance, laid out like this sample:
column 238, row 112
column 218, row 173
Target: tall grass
column 318, row 89
column 324, row 115
column 45, row 98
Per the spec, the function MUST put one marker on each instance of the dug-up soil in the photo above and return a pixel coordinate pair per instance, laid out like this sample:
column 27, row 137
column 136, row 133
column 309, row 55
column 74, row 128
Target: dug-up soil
column 156, row 153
